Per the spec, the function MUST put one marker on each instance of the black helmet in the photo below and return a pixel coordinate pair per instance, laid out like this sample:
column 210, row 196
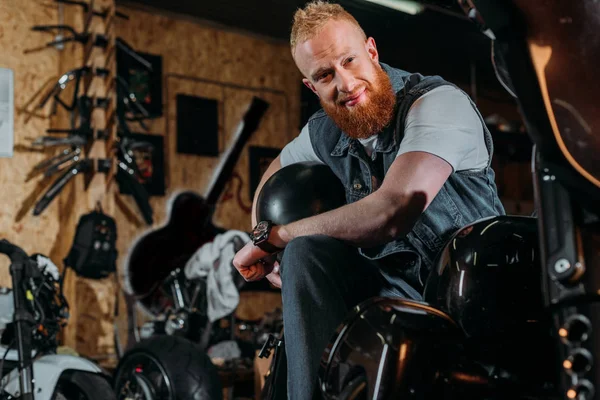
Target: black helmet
column 298, row 191
column 488, row 277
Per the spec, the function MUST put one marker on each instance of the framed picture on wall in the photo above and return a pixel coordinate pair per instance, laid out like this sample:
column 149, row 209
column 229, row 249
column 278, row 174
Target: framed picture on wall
column 145, row 83
column 260, row 159
column 148, row 152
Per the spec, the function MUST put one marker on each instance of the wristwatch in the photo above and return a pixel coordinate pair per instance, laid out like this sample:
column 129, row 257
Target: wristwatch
column 260, row 235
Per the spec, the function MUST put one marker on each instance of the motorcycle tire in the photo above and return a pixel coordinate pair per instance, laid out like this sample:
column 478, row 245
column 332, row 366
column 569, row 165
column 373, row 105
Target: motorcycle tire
column 80, row 385
column 167, row 368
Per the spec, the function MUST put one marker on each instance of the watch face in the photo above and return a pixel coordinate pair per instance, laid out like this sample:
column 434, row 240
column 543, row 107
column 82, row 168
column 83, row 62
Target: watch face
column 260, row 230
column 262, row 226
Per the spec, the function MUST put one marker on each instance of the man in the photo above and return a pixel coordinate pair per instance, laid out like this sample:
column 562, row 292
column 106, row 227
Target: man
column 414, row 156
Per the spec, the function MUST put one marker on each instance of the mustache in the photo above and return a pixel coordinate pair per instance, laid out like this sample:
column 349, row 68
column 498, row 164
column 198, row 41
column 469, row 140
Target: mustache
column 342, row 100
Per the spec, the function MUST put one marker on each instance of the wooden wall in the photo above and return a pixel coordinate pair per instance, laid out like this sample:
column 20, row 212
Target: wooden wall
column 229, row 67
column 209, row 62
column 197, row 60
column 212, row 63
column 31, row 72
column 36, row 69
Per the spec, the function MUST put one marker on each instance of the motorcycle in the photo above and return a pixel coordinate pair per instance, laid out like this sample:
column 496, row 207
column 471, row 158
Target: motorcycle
column 511, row 308
column 30, row 367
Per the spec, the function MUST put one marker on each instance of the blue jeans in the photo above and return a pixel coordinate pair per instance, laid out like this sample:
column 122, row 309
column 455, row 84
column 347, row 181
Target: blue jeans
column 323, row 278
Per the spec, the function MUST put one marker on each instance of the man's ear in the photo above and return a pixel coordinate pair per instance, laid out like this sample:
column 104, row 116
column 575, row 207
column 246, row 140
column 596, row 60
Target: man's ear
column 309, row 85
column 372, row 49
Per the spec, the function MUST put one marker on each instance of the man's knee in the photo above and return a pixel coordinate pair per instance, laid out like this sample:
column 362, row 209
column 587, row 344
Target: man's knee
column 303, row 244
column 305, row 255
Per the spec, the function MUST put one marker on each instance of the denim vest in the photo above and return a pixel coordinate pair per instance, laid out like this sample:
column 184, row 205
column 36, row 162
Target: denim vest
column 466, row 196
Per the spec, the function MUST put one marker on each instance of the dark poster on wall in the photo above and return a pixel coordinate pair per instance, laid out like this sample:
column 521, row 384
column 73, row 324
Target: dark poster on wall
column 148, row 153
column 260, row 159
column 197, row 126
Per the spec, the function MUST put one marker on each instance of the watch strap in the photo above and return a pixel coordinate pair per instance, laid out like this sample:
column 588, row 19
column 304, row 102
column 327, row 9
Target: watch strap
column 268, row 247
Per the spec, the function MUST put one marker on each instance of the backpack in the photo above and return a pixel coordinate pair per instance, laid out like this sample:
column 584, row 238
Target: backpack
column 94, row 253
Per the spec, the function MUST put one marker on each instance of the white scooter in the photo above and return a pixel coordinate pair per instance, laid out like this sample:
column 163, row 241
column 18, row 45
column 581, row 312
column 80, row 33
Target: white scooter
column 39, row 311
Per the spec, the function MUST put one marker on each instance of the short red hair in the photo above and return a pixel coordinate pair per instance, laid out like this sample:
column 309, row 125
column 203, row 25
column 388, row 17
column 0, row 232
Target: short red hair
column 309, row 21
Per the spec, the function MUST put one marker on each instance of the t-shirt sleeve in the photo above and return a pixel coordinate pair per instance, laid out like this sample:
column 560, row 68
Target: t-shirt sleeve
column 298, row 150
column 444, row 123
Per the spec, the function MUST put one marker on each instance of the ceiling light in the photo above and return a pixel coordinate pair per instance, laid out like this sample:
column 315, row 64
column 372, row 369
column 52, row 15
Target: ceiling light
column 406, row 6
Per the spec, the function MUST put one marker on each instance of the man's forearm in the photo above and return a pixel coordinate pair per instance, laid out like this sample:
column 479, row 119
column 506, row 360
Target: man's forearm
column 376, row 219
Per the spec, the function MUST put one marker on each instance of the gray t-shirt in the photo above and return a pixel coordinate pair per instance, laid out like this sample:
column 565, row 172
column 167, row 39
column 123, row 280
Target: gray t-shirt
column 440, row 122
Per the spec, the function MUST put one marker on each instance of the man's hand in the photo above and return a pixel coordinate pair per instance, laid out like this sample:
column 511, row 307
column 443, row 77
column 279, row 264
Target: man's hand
column 253, row 263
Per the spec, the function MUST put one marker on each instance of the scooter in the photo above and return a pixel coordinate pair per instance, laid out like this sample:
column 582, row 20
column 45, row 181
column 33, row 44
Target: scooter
column 39, row 311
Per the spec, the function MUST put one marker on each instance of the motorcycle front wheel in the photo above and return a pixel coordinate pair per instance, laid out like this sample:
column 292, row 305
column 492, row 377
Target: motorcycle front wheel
column 80, row 385
column 167, row 368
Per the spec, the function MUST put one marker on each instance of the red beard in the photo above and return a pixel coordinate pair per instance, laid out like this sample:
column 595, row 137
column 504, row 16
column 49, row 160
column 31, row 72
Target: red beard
column 369, row 117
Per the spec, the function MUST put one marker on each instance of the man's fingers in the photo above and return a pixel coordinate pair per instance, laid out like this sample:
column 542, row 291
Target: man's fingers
column 252, row 262
column 275, row 279
column 255, row 272
column 251, row 273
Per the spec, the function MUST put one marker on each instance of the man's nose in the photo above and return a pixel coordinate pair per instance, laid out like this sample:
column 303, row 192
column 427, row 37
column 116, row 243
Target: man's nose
column 346, row 81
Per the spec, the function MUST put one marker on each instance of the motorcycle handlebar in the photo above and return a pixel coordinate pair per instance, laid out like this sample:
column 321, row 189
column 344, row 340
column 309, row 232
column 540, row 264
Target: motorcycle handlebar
column 14, row 252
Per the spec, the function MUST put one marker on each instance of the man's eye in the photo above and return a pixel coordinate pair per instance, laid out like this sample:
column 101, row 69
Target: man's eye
column 323, row 76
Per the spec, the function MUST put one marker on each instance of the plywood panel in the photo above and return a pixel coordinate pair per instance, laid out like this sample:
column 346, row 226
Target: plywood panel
column 31, row 72
column 229, row 67
column 36, row 71
column 187, row 171
column 203, row 61
column 254, row 305
column 94, row 329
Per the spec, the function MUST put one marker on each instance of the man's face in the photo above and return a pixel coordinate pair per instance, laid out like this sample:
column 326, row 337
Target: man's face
column 343, row 70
